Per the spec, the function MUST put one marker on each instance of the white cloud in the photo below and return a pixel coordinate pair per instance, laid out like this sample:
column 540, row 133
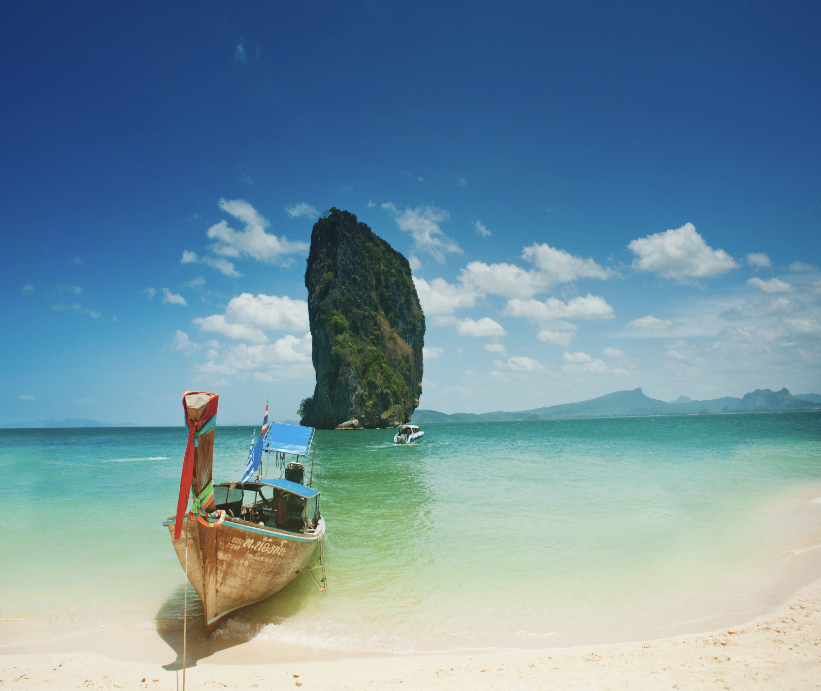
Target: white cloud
column 803, row 266
column 239, row 53
column 414, row 263
column 520, row 363
column 482, row 328
column 582, row 363
column 758, row 259
column 303, row 209
column 440, row 298
column 247, row 316
column 371, row 204
column 28, row 289
column 482, row 230
column 613, row 352
column 590, row 307
column 804, row 325
column 194, row 282
column 772, row 286
column 287, row 357
column 431, row 352
column 461, row 182
column 507, row 280
column 562, row 338
column 252, row 241
column 150, row 292
column 423, row 225
column 217, row 323
column 69, row 289
column 173, row 298
column 269, row 312
column 560, row 266
column 25, row 397
column 221, row 264
column 680, row 254
column 650, row 322
column 183, row 344
column 495, row 347
column 189, row 257
column 77, row 307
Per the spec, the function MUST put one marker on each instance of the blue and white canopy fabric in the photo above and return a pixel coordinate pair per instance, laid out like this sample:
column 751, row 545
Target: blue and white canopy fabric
column 291, row 487
column 291, row 439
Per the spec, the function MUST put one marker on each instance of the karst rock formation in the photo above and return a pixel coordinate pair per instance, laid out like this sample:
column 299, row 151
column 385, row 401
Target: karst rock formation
column 367, row 326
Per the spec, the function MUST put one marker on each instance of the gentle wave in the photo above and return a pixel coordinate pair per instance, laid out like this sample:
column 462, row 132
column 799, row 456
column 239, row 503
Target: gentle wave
column 135, row 460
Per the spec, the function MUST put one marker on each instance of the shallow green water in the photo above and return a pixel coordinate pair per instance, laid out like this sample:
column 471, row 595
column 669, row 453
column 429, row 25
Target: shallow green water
column 526, row 534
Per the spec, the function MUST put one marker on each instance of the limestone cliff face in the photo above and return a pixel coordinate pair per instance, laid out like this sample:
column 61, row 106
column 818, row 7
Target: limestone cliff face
column 367, row 326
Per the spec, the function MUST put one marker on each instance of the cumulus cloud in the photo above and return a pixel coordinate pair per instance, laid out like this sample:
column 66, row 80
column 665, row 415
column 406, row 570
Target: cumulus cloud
column 482, row 328
column 221, row 264
column 189, row 257
column 28, row 289
column 495, row 347
column 651, row 322
column 247, row 317
column 423, row 225
column 681, row 255
column 803, row 266
column 613, row 352
column 520, row 363
column 76, row 290
column 173, row 298
column 804, row 325
column 482, row 230
column 562, row 338
column 582, row 363
column 431, row 352
column 289, row 356
column 772, row 286
column 150, row 292
column 183, row 344
column 303, row 209
column 560, row 266
column 414, row 263
column 252, row 241
column 440, row 298
column 758, row 259
column 508, row 280
column 591, row 307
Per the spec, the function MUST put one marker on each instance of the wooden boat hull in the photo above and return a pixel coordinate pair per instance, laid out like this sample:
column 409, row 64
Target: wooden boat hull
column 237, row 563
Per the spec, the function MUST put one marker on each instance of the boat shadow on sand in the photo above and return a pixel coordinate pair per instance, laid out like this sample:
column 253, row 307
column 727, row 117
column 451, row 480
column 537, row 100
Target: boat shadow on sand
column 241, row 627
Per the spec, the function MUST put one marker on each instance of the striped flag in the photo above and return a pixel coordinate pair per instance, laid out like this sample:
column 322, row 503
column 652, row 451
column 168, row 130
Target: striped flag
column 265, row 421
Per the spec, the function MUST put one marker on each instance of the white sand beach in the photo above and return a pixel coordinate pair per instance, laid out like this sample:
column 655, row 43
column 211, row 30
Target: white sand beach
column 779, row 651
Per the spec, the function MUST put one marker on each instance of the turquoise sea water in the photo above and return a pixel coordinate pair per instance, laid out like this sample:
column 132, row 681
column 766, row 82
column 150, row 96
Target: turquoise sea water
column 522, row 535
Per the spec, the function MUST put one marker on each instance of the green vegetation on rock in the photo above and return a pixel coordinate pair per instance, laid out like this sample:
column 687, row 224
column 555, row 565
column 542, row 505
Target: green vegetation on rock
column 367, row 326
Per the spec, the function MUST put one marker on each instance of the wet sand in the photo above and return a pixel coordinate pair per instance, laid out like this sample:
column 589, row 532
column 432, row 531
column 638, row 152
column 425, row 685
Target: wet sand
column 779, row 651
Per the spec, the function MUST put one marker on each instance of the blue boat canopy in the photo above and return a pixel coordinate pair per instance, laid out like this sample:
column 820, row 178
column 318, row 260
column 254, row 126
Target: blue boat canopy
column 293, row 439
column 292, row 487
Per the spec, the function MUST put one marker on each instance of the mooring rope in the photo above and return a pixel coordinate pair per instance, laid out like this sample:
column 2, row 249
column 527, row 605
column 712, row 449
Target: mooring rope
column 185, row 612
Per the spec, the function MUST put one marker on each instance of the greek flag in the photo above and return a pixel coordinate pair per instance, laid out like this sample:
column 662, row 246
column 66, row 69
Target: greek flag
column 250, row 467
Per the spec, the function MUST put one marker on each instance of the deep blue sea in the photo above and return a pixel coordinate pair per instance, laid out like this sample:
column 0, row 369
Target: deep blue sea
column 508, row 534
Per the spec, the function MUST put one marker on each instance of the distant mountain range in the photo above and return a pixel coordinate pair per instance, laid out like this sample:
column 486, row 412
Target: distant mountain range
column 71, row 422
column 635, row 403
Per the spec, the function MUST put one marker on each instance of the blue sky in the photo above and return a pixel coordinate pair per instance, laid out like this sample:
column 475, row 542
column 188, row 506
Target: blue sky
column 594, row 197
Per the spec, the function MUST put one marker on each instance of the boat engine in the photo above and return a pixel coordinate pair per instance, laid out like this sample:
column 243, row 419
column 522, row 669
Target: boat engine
column 295, row 472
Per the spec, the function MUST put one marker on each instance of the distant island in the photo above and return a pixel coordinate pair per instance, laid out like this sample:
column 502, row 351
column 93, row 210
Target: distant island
column 635, row 404
column 71, row 422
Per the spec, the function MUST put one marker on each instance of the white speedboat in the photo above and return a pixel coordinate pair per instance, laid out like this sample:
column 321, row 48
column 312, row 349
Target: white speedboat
column 408, row 434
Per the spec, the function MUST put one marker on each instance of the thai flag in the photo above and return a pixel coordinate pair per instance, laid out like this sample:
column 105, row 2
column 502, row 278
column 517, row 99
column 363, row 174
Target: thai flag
column 265, row 421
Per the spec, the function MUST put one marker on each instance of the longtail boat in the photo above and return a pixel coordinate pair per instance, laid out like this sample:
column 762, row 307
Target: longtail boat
column 243, row 541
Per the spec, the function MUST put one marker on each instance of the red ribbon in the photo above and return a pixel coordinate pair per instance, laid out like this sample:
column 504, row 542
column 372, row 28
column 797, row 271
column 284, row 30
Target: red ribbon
column 188, row 462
